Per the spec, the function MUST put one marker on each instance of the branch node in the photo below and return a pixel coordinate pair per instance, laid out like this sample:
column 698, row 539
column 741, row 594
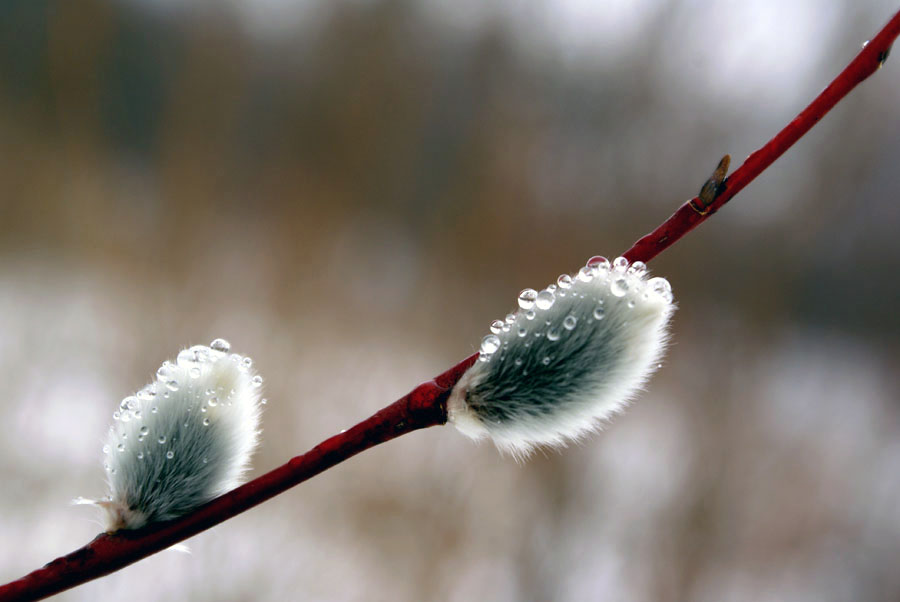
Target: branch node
column 711, row 188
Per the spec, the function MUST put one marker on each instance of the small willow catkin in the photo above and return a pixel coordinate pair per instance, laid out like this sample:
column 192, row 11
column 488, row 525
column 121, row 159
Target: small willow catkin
column 570, row 357
column 182, row 440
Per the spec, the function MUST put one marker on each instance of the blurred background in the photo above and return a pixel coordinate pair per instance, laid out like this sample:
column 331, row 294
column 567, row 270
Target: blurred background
column 350, row 191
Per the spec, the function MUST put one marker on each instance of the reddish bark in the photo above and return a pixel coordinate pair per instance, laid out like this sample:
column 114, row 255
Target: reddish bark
column 426, row 405
column 693, row 212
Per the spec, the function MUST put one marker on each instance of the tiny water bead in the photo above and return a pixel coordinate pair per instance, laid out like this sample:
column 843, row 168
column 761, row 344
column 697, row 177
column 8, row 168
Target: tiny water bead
column 619, row 287
column 220, row 345
column 527, row 298
column 570, row 322
column 121, row 447
column 172, row 385
column 161, row 440
column 206, row 422
column 170, row 454
column 522, row 331
column 490, row 344
column 195, row 372
column 620, row 264
column 564, row 281
column 638, row 268
column 246, row 363
column 546, row 360
column 585, row 274
column 598, row 264
column 529, row 315
column 497, row 326
column 257, row 381
column 553, row 334
column 510, row 319
column 140, row 455
column 545, row 299
column 144, row 430
column 213, row 401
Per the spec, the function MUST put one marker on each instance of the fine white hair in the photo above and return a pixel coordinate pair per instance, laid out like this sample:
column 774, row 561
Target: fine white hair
column 182, row 440
column 568, row 359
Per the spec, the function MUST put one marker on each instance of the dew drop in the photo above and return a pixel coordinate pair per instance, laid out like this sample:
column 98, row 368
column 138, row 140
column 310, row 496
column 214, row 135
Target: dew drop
column 220, row 345
column 162, row 439
column 638, row 268
column 598, row 313
column 105, row 449
column 163, row 371
column 125, row 416
column 518, row 361
column 170, row 454
column 546, row 360
column 620, row 264
column 564, row 281
column 570, row 322
column 195, row 372
column 527, row 298
column 144, row 430
column 121, row 447
column 553, row 334
column 129, row 403
column 585, row 274
column 545, row 299
column 140, row 455
column 206, row 460
column 206, row 422
column 630, row 304
column 490, row 344
column 117, row 415
column 154, row 410
column 510, row 318
column 551, row 288
column 263, row 401
column 246, row 363
column 529, row 315
column 598, row 264
column 213, row 401
column 186, row 356
column 659, row 285
column 619, row 287
column 147, row 393
column 172, row 385
column 497, row 326
column 257, row 381
column 522, row 331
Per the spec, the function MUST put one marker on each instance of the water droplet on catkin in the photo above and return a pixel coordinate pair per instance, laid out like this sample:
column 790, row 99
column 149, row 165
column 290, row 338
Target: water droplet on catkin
column 527, row 298
column 545, row 299
column 619, row 287
column 220, row 345
column 490, row 344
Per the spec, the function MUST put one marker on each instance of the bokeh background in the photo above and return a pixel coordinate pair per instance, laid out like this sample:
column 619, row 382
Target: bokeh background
column 350, row 191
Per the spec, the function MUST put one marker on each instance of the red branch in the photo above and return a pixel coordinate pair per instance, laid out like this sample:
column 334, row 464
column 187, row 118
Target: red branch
column 692, row 213
column 426, row 405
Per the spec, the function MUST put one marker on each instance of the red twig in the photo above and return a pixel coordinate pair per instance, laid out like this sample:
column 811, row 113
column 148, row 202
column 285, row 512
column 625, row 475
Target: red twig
column 426, row 405
column 696, row 211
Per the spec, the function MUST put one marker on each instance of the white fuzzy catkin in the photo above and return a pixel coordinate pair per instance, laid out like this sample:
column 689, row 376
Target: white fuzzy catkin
column 569, row 358
column 183, row 439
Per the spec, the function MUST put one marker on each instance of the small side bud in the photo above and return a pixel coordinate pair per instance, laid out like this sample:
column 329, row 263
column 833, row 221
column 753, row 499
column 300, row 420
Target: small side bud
column 570, row 357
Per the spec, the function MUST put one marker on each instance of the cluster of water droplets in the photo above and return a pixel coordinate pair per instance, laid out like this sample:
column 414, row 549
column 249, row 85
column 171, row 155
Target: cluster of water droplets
column 596, row 282
column 170, row 379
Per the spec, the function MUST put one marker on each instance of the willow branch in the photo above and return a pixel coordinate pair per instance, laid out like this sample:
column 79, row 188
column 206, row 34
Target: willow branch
column 425, row 405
